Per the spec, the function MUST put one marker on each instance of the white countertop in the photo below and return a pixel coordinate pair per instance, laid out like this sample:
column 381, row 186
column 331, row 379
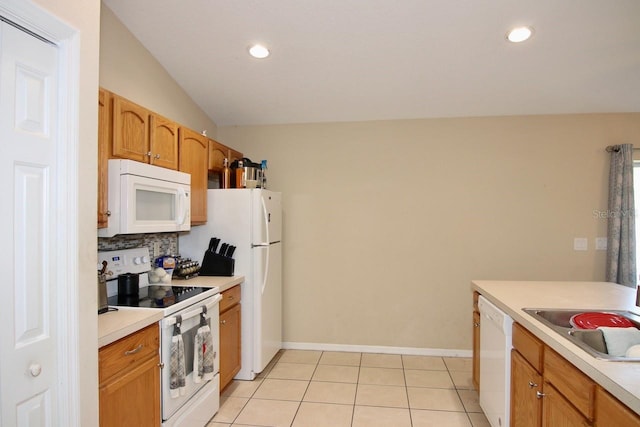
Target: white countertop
column 621, row 379
column 114, row 325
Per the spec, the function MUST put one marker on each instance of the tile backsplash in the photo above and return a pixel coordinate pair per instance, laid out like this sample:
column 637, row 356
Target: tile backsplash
column 165, row 243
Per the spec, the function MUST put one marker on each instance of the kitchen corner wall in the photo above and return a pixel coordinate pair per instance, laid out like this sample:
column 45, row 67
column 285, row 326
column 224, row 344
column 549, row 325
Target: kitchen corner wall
column 387, row 222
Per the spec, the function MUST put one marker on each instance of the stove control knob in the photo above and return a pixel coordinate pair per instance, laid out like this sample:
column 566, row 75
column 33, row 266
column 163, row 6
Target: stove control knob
column 145, row 259
column 137, row 260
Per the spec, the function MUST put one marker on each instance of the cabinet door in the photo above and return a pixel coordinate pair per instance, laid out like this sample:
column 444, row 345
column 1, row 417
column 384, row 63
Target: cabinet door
column 130, row 130
column 557, row 411
column 163, row 134
column 104, row 138
column 132, row 399
column 234, row 155
column 526, row 406
column 217, row 154
column 610, row 412
column 230, row 348
column 475, row 376
column 194, row 149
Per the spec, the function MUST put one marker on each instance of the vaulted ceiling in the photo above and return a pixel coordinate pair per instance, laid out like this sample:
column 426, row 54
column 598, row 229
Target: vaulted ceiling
column 349, row 60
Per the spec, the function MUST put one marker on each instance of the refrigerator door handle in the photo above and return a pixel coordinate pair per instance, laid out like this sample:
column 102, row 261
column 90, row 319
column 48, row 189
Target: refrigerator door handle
column 266, row 271
column 266, row 219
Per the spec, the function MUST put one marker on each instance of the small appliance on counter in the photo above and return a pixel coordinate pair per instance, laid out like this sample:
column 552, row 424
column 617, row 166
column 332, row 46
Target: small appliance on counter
column 218, row 262
column 247, row 174
column 103, row 306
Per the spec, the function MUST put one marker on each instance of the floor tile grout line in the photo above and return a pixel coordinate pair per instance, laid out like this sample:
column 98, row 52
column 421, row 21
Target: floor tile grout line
column 358, row 383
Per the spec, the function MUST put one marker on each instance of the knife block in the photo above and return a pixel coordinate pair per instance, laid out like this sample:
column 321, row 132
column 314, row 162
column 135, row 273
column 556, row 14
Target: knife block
column 216, row 265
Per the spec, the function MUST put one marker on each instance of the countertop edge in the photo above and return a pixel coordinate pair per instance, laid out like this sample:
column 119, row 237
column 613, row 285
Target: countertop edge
column 115, row 325
column 599, row 371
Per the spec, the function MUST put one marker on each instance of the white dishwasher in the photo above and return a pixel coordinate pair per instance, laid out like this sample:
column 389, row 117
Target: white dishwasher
column 495, row 363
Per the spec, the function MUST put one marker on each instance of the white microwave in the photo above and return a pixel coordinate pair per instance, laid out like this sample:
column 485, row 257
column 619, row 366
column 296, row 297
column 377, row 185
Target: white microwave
column 143, row 198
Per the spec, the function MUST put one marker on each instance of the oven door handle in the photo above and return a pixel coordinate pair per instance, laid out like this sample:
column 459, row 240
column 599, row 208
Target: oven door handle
column 195, row 311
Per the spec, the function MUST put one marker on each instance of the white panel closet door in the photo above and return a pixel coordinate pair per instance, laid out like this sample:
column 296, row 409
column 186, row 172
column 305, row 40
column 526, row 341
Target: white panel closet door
column 28, row 225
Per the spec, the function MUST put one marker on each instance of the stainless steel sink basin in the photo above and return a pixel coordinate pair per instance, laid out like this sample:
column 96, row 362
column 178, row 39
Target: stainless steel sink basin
column 590, row 340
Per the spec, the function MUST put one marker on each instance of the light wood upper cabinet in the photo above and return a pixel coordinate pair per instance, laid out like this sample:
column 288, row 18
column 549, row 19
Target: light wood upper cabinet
column 234, row 155
column 193, row 152
column 163, row 138
column 104, row 136
column 217, row 154
column 144, row 136
column 130, row 130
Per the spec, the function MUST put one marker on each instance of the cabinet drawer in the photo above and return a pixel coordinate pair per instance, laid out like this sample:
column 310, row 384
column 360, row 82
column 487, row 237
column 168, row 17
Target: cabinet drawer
column 128, row 352
column 530, row 347
column 230, row 297
column 568, row 380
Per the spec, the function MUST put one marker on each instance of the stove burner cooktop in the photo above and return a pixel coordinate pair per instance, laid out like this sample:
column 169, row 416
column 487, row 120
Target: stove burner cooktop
column 156, row 296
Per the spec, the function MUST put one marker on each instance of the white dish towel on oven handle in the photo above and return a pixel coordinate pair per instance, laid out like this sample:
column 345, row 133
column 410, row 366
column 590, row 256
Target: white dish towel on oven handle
column 177, row 362
column 203, row 352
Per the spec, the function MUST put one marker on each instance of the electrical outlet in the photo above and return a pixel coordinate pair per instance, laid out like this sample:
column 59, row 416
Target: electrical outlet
column 156, row 249
column 601, row 243
column 580, row 244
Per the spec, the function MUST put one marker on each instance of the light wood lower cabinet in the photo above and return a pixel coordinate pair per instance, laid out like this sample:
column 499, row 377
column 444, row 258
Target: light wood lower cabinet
column 230, row 336
column 557, row 411
column 129, row 373
column 526, row 383
column 549, row 391
column 475, row 374
column 610, row 412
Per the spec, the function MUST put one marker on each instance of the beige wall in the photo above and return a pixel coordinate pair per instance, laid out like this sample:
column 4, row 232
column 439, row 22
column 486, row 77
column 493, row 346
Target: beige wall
column 386, row 223
column 128, row 69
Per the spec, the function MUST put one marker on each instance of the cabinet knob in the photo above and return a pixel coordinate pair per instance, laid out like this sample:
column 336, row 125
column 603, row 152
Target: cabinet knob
column 148, row 153
column 223, row 322
column 476, row 324
column 540, row 395
column 35, row 369
column 161, row 365
column 108, row 213
column 532, row 384
column 157, row 156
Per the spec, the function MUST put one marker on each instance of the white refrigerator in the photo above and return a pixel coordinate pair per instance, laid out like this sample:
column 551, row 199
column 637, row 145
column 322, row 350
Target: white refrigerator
column 251, row 220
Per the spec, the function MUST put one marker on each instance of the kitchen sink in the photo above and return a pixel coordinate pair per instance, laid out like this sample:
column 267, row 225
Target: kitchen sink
column 590, row 340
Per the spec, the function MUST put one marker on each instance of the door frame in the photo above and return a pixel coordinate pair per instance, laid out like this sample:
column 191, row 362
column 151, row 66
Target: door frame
column 42, row 23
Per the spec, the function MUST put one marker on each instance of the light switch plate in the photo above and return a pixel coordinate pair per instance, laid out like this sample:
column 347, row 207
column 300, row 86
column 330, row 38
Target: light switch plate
column 580, row 244
column 601, row 243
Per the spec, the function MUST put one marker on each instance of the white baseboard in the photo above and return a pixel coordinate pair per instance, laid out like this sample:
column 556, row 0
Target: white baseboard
column 377, row 349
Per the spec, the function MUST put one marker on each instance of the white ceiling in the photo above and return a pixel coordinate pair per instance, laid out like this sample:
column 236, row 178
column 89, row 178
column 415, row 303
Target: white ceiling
column 350, row 60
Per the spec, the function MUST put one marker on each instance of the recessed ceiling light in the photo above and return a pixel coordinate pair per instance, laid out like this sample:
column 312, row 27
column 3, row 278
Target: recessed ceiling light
column 258, row 51
column 519, row 34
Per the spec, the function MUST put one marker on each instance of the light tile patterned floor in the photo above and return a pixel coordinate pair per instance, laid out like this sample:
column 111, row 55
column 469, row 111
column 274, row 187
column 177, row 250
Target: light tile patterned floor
column 334, row 389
